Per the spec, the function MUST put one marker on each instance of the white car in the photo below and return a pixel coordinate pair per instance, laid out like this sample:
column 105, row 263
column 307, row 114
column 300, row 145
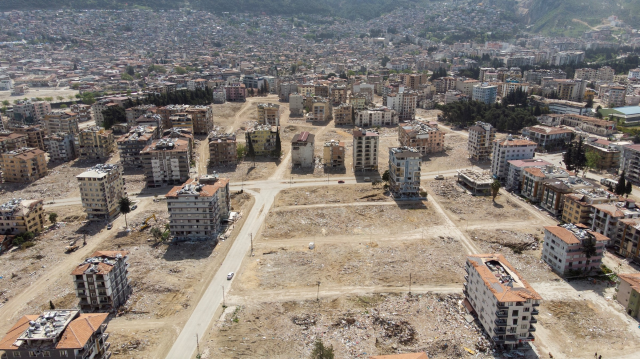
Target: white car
column 230, row 275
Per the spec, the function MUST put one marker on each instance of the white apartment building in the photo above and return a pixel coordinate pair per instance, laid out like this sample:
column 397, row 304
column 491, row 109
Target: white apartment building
column 403, row 103
column 563, row 248
column 634, row 74
column 166, row 161
column 375, row 117
column 404, row 171
column 515, row 174
column 606, row 219
column 61, row 147
column 197, row 209
column 302, row 146
column 485, row 93
column 507, row 150
column 365, row 150
column 101, row 187
column 505, row 303
column 296, row 105
column 481, row 137
column 101, row 282
column 59, row 121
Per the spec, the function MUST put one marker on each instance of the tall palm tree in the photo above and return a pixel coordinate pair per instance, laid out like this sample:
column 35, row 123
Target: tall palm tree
column 125, row 207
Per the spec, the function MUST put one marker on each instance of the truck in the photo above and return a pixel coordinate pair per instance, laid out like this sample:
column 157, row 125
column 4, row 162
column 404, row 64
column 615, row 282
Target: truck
column 439, row 177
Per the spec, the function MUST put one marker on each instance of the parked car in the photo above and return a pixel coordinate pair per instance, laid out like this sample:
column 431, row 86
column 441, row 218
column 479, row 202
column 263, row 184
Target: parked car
column 133, row 208
column 110, row 225
column 341, row 181
column 230, row 275
column 367, row 179
column 439, row 177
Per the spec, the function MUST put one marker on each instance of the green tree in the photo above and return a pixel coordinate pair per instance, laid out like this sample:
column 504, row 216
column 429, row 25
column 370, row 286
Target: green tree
column 113, row 115
column 48, row 99
column 386, row 176
column 126, row 77
column 241, row 151
column 51, row 306
column 495, row 188
column 130, row 70
column 593, row 159
column 628, row 188
column 589, row 246
column 250, row 150
column 180, row 70
column 579, row 156
column 156, row 233
column 53, row 217
column 320, row 351
column 621, row 186
column 60, row 98
column 5, row 103
column 589, row 103
column 124, row 204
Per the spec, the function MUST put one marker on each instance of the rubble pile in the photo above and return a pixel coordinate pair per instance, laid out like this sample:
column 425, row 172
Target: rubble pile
column 356, row 327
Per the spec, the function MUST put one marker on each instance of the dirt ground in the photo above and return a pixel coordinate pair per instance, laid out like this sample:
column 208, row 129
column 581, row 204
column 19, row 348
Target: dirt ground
column 331, row 194
column 348, row 220
column 355, row 326
column 432, row 261
column 59, row 183
column 461, row 206
column 40, row 92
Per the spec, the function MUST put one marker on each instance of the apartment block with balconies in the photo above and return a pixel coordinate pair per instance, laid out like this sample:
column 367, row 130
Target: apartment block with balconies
column 333, row 154
column 365, row 150
column 96, row 143
column 505, row 303
column 222, row 149
column 101, row 282
column 480, row 142
column 563, row 248
column 101, row 187
column 404, row 171
column 24, row 165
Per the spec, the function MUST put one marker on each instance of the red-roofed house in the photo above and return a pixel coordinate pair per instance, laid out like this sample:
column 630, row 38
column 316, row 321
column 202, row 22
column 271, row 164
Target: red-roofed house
column 629, row 293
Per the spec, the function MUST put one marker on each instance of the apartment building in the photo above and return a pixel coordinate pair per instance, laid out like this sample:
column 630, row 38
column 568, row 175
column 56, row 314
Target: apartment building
column 507, row 150
column 629, row 293
column 404, row 171
column 481, row 137
column 608, row 153
column 302, row 147
column 35, row 135
column 365, row 150
column 584, row 123
column 375, row 117
column 343, row 115
column 307, row 90
column 101, row 282
column 236, row 92
column 166, row 161
column 320, row 110
column 58, row 333
column 413, row 81
column 133, row 113
column 286, row 89
column 586, row 74
column 101, row 187
column 505, row 303
column 338, row 94
column 131, row 144
column 202, row 119
column 357, row 101
column 181, row 121
column 578, row 206
column 268, row 113
column 24, row 165
column 606, row 219
column 97, row 108
column 59, row 121
column 563, row 248
column 263, row 139
column 605, row 73
column 485, row 93
column 82, row 111
column 404, row 103
column 61, row 147
column 10, row 141
column 333, row 154
column 425, row 138
column 167, row 112
column 631, row 163
column 19, row 216
column 196, row 210
column 628, row 248
column 515, row 174
column 222, row 149
column 296, row 105
column 613, row 96
column 96, row 143
column 29, row 112
column 547, row 137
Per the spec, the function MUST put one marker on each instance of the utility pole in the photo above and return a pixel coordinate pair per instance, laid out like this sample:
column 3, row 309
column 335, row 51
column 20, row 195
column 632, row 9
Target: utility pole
column 318, row 294
column 223, row 296
column 251, row 234
column 409, row 283
column 198, row 345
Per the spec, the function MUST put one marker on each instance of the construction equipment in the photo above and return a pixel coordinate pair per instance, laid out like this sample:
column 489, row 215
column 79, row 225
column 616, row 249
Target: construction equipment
column 146, row 222
column 72, row 247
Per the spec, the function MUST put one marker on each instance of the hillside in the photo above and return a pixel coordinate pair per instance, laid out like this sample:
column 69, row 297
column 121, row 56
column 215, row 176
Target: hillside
column 573, row 17
column 366, row 9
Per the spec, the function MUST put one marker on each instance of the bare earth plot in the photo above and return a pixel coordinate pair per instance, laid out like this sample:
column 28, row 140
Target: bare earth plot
column 59, row 183
column 40, row 92
column 331, row 194
column 356, row 327
column 377, row 220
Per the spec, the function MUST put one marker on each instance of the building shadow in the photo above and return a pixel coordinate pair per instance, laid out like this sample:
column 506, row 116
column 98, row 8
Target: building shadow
column 132, row 171
column 179, row 251
column 297, row 170
column 595, row 283
column 497, row 205
column 88, row 163
column 223, row 168
column 91, row 228
column 335, row 170
column 406, row 203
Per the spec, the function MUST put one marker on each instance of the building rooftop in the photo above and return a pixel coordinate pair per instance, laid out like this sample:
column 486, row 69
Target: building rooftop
column 547, row 130
column 632, row 278
column 303, row 136
column 404, row 151
column 528, row 163
column 502, row 279
column 25, row 153
column 573, row 234
column 194, row 187
column 18, row 206
column 333, row 143
column 98, row 171
column 509, row 141
column 364, row 132
column 100, row 262
column 476, row 176
column 168, row 144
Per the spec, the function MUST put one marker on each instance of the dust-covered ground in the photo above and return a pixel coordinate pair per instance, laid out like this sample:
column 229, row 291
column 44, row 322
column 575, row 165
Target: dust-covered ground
column 355, row 326
column 331, row 194
column 431, row 261
column 349, row 220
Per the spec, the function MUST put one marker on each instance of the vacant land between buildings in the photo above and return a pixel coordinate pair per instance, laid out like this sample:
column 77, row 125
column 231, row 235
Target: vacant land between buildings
column 331, row 194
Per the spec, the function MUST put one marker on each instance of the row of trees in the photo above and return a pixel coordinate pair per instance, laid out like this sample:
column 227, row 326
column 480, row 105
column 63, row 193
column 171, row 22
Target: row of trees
column 503, row 118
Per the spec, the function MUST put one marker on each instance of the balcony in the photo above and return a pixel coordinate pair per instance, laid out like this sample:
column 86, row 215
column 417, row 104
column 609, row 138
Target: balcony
column 500, row 330
column 500, row 322
column 535, row 311
column 502, row 314
column 532, row 329
column 533, row 320
column 502, row 306
column 498, row 340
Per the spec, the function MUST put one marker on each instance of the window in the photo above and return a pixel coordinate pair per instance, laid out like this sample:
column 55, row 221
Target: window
column 16, row 354
column 46, row 354
column 523, row 326
column 515, row 322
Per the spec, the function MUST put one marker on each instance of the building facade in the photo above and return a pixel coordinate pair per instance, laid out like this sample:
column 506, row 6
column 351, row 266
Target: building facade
column 61, row 147
column 101, row 282
column 302, row 147
column 222, row 149
column 263, row 139
column 333, row 154
column 101, row 187
column 404, row 171
column 24, row 165
column 20, row 216
column 96, row 143
column 166, row 161
column 426, row 138
column 481, row 137
column 365, row 150
column 507, row 150
column 563, row 248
